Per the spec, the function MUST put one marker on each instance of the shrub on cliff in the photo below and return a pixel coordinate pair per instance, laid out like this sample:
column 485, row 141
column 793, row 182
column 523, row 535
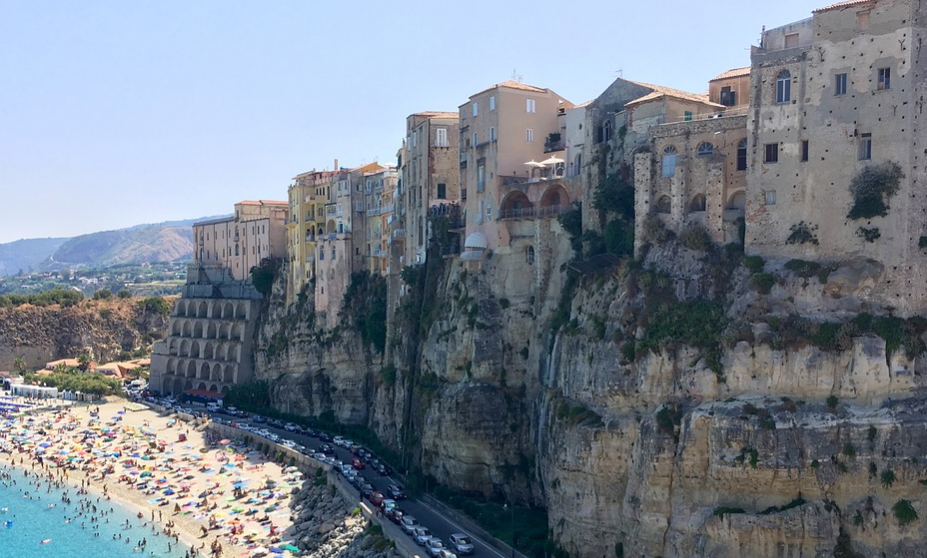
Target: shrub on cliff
column 262, row 276
column 698, row 324
column 872, row 188
column 155, row 305
column 904, row 512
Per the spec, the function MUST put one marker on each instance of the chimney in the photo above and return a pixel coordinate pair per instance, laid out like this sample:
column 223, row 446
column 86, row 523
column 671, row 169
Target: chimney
column 336, row 165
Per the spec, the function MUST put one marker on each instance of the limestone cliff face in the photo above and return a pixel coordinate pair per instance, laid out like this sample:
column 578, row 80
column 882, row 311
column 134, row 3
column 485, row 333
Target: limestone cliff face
column 769, row 436
column 42, row 334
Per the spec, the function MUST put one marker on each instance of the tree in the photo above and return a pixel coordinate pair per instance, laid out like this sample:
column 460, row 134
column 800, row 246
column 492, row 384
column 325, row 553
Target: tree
column 19, row 364
column 124, row 293
column 84, row 359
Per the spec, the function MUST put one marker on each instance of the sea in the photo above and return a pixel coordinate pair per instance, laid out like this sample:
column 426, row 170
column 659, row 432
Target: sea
column 25, row 523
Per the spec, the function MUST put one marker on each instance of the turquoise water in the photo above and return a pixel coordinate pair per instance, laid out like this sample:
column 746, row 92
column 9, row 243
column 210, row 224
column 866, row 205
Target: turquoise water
column 33, row 521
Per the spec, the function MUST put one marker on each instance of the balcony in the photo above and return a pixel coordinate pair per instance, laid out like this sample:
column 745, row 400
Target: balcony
column 379, row 211
column 463, row 158
column 330, row 210
column 553, row 143
column 534, row 212
column 399, row 233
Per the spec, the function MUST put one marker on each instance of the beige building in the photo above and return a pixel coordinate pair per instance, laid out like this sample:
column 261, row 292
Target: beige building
column 507, row 132
column 380, row 203
column 429, row 177
column 256, row 231
column 303, row 227
column 836, row 98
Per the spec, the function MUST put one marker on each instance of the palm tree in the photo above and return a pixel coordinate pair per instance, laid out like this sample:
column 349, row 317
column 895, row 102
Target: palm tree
column 84, row 359
column 20, row 364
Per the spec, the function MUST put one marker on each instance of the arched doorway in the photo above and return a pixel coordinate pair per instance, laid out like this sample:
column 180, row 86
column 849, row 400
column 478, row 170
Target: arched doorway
column 516, row 205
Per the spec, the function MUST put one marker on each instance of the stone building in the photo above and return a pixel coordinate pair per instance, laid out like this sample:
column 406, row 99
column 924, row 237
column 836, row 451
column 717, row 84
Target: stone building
column 429, row 177
column 507, row 133
column 379, row 203
column 835, row 100
column 256, row 231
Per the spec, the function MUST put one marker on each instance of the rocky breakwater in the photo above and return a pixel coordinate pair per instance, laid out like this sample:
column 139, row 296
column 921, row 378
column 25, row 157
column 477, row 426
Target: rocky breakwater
column 328, row 526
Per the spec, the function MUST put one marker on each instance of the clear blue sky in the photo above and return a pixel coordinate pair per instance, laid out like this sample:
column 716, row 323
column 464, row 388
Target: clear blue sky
column 115, row 113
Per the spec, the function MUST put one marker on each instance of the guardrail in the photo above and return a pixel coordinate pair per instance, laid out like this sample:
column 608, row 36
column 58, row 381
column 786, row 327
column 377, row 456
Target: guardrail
column 470, row 526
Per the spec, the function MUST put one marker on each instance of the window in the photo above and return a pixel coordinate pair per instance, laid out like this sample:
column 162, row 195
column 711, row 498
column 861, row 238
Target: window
column 668, row 162
column 804, row 151
column 770, row 197
column 840, row 84
column 476, row 109
column 728, row 97
column 529, row 105
column 480, row 176
column 687, row 116
column 479, row 213
column 865, row 147
column 772, row 153
column 441, row 137
column 742, row 155
column 475, row 139
column 607, row 131
column 529, row 135
column 885, row 79
column 783, row 87
column 333, row 252
column 529, row 255
column 492, row 103
column 442, row 191
column 862, row 20
column 322, row 254
column 492, row 133
column 791, row 40
column 488, row 212
column 705, row 149
column 415, row 138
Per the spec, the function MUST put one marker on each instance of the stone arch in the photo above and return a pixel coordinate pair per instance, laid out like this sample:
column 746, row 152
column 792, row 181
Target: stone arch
column 171, row 366
column 187, row 329
column 187, row 385
column 737, row 200
column 555, row 196
column 331, row 227
column 185, row 348
column 228, row 374
column 241, row 311
column 668, row 161
column 664, row 205
column 238, row 332
column 201, row 386
column 209, row 350
column 178, row 386
column 698, row 203
column 216, row 374
column 225, row 389
column 196, row 350
column 516, row 204
column 172, row 345
column 705, row 149
column 212, row 331
column 202, row 309
column 198, row 329
column 176, row 327
column 191, row 369
column 529, row 255
column 214, row 388
column 228, row 311
column 204, row 372
column 215, row 310
column 235, row 353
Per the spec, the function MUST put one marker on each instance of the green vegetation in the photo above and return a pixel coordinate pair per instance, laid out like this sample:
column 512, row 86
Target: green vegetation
column 754, row 263
column 103, row 294
column 898, row 333
column 872, row 188
column 904, row 512
column 697, row 323
column 365, row 302
column 797, row 502
column 888, row 478
column 849, row 450
column 832, row 402
column 844, row 547
column 869, row 234
column 762, row 282
column 695, row 237
column 44, row 298
column 721, row 511
column 802, row 233
column 806, row 270
column 155, row 305
column 154, row 279
column 73, row 379
column 578, row 415
column 619, row 237
column 263, row 275
column 615, row 195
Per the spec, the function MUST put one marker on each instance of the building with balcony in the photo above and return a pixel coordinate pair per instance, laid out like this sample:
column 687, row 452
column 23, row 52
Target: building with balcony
column 429, row 177
column 511, row 160
column 302, row 228
column 380, row 202
column 256, row 231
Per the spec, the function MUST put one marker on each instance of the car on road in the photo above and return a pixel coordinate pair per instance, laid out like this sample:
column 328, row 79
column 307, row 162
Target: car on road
column 422, row 535
column 387, row 504
column 384, row 470
column 409, row 524
column 366, row 490
column 434, row 546
column 338, row 441
column 396, row 492
column 326, row 437
column 326, row 449
column 445, row 553
column 357, row 464
column 258, row 419
column 395, row 514
column 376, row 498
column 290, row 427
column 461, row 543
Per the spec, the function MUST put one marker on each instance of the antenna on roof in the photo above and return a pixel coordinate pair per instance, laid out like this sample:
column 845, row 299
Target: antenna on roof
column 620, row 72
column 516, row 76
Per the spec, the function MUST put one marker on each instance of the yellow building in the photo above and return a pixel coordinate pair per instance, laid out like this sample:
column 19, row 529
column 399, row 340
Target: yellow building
column 380, row 203
column 308, row 190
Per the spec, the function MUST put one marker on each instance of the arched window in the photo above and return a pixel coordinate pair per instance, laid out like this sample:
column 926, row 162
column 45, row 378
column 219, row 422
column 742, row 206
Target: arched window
column 705, row 149
column 663, row 205
column 529, row 254
column 697, row 204
column 783, row 87
column 668, row 162
column 578, row 165
column 742, row 155
column 607, row 131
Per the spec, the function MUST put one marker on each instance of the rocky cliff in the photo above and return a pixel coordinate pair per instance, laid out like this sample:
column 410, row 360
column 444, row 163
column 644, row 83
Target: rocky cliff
column 692, row 403
column 39, row 334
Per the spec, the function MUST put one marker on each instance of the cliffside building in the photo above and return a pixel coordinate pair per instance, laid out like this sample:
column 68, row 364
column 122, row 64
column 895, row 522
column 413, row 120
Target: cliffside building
column 208, row 347
column 379, row 202
column 303, row 227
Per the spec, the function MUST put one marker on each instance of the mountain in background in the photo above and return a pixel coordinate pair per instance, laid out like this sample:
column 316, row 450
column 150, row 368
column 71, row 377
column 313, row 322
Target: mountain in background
column 161, row 242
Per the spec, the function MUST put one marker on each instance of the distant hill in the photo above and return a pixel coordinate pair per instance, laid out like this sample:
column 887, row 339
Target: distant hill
column 26, row 254
column 161, row 242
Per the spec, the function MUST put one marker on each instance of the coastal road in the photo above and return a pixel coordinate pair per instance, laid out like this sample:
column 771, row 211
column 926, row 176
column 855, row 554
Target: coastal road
column 440, row 525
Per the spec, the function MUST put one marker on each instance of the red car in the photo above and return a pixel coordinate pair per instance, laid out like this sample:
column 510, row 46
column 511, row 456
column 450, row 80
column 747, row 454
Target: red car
column 357, row 464
column 376, row 498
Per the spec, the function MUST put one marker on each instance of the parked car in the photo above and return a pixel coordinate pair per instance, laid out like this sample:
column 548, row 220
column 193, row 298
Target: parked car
column 395, row 514
column 376, row 498
column 258, row 419
column 384, row 470
column 445, row 553
column 338, row 441
column 409, row 524
column 434, row 546
column 357, row 464
column 396, row 492
column 366, row 490
column 461, row 543
column 290, row 427
column 325, row 437
column 422, row 535
column 327, row 449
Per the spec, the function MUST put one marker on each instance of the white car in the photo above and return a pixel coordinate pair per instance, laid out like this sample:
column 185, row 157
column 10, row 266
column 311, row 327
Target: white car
column 409, row 524
column 422, row 535
column 290, row 427
column 434, row 546
column 338, row 441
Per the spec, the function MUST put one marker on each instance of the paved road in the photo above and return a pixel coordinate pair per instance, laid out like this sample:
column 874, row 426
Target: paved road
column 440, row 525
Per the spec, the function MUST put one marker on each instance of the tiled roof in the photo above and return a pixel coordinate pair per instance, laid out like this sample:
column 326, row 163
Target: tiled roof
column 262, row 202
column 511, row 84
column 839, row 5
column 437, row 114
column 736, row 72
column 659, row 92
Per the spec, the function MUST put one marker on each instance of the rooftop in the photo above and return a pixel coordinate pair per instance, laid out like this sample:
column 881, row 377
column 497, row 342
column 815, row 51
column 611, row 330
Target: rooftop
column 736, row 72
column 659, row 92
column 437, row 114
column 262, row 202
column 845, row 4
column 511, row 84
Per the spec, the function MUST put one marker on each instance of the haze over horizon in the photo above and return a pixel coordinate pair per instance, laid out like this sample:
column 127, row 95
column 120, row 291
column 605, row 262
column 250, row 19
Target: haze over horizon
column 116, row 114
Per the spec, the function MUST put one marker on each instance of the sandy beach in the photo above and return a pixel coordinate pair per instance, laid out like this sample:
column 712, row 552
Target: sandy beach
column 205, row 492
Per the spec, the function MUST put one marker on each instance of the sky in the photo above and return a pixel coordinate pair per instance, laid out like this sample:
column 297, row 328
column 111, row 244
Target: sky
column 116, row 113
